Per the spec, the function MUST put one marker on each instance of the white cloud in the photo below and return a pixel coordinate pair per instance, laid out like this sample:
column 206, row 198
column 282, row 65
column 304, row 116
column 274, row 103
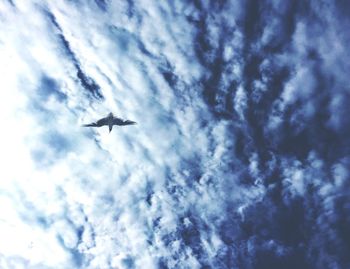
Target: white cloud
column 83, row 192
column 77, row 197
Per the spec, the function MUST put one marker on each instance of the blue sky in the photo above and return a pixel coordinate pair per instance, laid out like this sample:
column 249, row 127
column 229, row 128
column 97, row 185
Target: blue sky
column 240, row 158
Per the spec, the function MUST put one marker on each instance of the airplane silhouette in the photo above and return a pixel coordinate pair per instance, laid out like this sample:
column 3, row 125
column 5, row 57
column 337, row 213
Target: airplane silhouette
column 110, row 120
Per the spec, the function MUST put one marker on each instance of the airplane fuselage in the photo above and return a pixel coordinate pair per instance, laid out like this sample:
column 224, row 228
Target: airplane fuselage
column 110, row 121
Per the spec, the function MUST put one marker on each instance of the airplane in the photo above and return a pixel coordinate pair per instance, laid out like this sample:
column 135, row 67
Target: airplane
column 110, row 120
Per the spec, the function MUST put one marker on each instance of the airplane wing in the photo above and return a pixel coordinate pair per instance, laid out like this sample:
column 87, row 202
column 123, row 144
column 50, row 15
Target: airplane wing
column 101, row 122
column 129, row 122
column 117, row 121
column 90, row 125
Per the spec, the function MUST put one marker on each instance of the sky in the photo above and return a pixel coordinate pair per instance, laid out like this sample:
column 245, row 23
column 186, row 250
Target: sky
column 240, row 156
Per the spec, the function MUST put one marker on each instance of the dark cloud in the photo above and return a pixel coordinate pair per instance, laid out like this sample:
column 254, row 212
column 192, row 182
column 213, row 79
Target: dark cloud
column 102, row 4
column 50, row 87
column 11, row 3
column 282, row 230
column 87, row 82
column 47, row 91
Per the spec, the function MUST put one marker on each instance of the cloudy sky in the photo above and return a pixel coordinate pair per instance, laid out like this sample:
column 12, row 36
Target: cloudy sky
column 240, row 158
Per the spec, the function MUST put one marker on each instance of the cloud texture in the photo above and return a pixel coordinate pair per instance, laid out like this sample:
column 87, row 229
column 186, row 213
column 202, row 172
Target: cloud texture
column 240, row 158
